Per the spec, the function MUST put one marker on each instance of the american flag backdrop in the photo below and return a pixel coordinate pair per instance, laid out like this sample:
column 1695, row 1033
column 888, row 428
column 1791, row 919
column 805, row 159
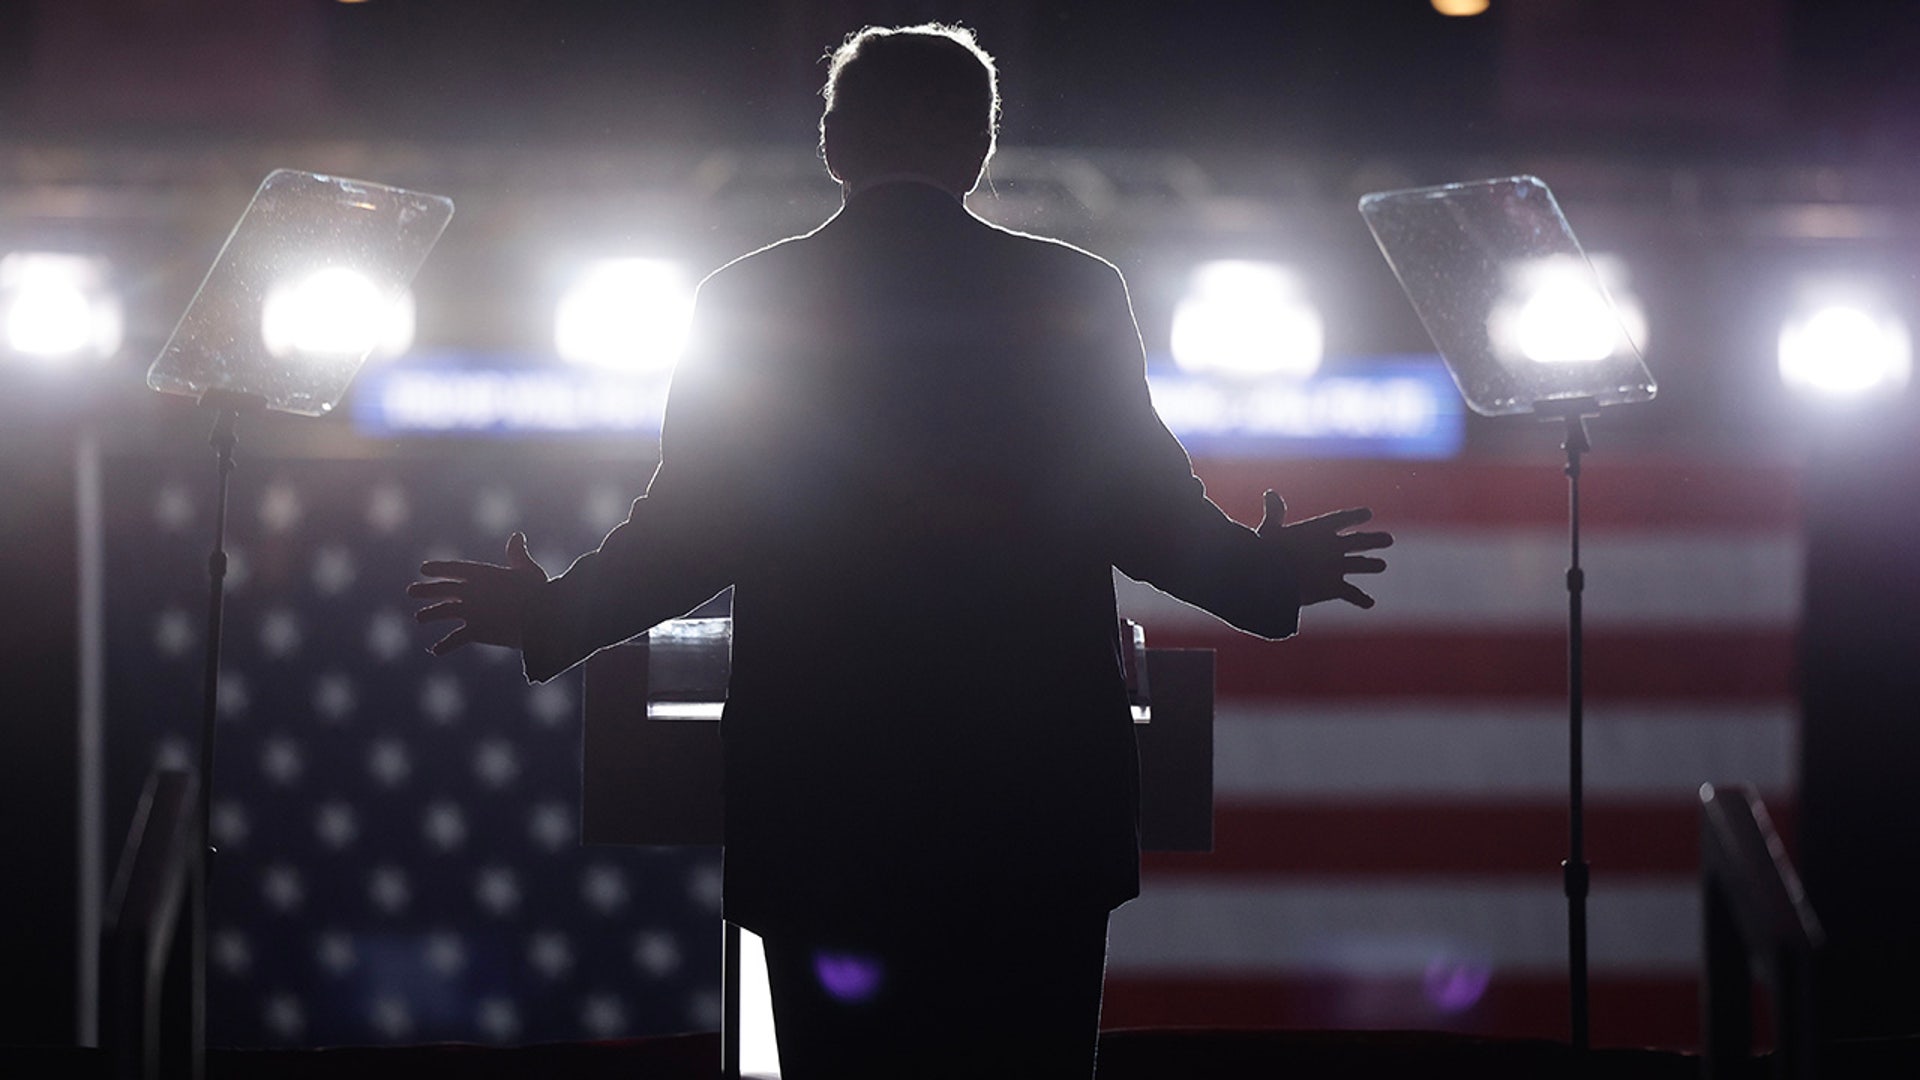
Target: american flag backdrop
column 399, row 859
column 1391, row 785
column 399, row 836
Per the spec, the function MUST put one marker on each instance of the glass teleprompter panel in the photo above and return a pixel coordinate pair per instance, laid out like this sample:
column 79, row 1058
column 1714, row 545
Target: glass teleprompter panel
column 1517, row 310
column 307, row 284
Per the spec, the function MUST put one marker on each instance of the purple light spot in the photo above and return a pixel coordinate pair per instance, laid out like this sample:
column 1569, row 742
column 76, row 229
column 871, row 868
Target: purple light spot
column 847, row 977
column 1453, row 986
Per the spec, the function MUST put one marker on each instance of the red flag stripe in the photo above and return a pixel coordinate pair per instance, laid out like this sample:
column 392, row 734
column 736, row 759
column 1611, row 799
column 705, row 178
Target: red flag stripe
column 1615, row 491
column 1401, row 839
column 1691, row 665
column 1626, row 1010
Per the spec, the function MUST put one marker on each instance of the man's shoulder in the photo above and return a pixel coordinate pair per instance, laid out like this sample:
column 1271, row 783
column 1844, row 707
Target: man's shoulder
column 1044, row 266
column 776, row 258
column 1057, row 255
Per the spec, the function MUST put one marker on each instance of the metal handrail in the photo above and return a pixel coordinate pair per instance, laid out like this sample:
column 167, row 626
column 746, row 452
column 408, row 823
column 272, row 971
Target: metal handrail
column 151, row 981
column 1756, row 921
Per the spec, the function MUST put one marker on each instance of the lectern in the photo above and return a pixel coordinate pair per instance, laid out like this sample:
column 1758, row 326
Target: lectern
column 652, row 768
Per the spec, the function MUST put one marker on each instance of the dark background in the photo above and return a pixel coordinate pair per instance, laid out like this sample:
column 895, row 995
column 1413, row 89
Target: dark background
column 1728, row 139
column 1812, row 80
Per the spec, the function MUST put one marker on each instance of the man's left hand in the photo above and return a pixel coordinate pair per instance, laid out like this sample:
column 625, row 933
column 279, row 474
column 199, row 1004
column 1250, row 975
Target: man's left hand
column 489, row 599
column 1322, row 554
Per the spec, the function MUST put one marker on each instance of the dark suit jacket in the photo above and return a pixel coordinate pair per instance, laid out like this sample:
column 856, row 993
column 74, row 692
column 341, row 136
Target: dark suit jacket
column 916, row 445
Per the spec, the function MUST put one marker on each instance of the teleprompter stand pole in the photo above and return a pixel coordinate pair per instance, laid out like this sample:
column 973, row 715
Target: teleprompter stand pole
column 227, row 406
column 1575, row 874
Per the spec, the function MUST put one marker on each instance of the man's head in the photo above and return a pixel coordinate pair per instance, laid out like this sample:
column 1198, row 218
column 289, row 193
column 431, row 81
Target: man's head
column 913, row 99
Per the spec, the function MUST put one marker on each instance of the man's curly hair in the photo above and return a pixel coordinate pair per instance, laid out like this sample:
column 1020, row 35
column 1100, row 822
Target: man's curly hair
column 895, row 92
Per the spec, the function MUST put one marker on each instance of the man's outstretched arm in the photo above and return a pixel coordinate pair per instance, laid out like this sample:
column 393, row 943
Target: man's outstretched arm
column 675, row 550
column 1256, row 579
column 1172, row 536
column 636, row 579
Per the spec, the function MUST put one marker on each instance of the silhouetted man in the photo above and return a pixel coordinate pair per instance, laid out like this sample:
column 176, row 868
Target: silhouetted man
column 917, row 445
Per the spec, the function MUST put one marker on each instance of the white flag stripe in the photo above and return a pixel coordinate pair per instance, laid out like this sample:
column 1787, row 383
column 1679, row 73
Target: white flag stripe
column 1512, row 578
column 1256, row 928
column 1394, row 750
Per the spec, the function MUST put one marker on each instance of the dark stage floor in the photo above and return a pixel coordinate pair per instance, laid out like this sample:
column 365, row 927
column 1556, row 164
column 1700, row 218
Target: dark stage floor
column 1160, row 1054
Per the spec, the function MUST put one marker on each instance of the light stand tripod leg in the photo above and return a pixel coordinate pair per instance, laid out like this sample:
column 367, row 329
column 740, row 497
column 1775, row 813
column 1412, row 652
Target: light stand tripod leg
column 1574, row 869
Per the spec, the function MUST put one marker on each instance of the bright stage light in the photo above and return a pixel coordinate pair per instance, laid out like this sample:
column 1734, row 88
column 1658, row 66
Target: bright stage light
column 1461, row 8
column 631, row 314
column 335, row 313
column 1246, row 318
column 55, row 306
column 1561, row 310
column 1565, row 322
column 1845, row 349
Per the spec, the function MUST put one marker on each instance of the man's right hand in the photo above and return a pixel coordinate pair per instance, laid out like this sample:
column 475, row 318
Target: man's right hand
column 1321, row 554
column 490, row 599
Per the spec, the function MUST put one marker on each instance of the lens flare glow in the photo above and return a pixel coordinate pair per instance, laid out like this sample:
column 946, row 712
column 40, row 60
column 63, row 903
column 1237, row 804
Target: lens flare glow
column 631, row 314
column 1245, row 318
column 335, row 313
column 56, row 306
column 1454, row 985
column 848, row 977
column 1560, row 312
column 1845, row 349
column 1565, row 322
